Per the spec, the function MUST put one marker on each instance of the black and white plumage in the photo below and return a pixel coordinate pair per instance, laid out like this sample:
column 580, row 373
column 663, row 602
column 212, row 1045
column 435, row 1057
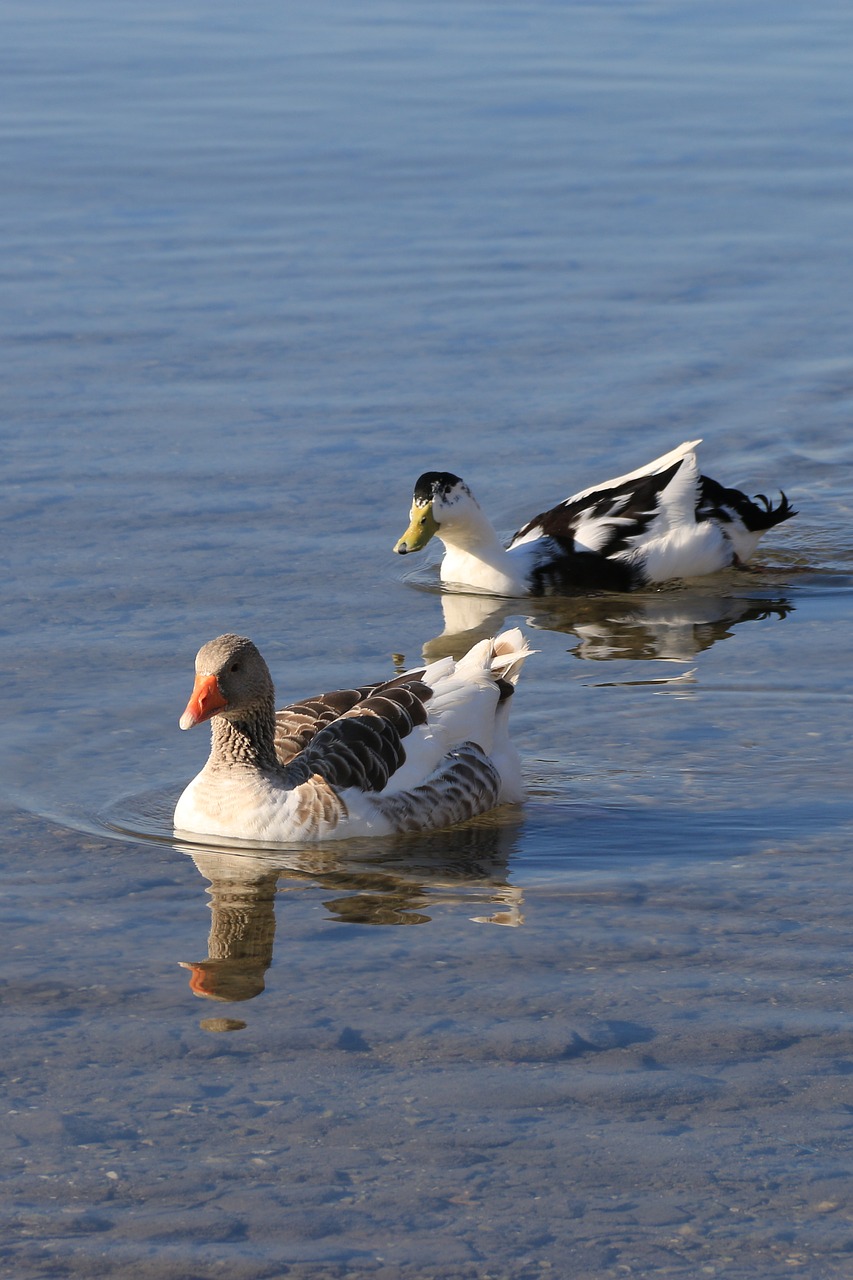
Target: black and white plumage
column 663, row 521
column 419, row 752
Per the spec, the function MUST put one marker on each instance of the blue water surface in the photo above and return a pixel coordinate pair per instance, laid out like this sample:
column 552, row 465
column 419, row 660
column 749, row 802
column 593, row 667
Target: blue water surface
column 263, row 266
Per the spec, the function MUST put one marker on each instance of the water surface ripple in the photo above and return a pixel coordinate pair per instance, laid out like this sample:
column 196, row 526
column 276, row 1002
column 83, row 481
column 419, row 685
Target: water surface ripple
column 264, row 266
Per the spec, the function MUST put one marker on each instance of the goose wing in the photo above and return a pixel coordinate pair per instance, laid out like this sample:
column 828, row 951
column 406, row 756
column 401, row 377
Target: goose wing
column 467, row 784
column 362, row 744
column 297, row 724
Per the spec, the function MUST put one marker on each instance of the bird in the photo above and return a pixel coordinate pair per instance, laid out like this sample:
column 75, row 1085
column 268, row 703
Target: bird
column 421, row 751
column 660, row 522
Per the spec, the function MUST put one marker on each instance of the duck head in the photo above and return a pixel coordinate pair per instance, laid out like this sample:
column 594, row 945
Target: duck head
column 439, row 499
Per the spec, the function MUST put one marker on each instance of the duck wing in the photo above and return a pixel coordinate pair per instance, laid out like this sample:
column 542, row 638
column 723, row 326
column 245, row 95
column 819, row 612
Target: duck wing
column 605, row 520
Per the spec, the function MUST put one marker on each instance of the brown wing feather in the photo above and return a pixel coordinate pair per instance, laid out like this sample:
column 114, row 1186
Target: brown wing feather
column 467, row 785
column 296, row 725
column 363, row 746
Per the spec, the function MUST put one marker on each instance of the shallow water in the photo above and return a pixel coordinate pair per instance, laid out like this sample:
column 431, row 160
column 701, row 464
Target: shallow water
column 265, row 266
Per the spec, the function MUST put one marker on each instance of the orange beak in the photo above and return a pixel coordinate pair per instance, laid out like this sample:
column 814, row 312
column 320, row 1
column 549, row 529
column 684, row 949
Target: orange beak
column 205, row 701
column 202, row 982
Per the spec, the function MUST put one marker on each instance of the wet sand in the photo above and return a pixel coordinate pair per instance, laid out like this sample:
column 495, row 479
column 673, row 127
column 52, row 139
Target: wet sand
column 653, row 1076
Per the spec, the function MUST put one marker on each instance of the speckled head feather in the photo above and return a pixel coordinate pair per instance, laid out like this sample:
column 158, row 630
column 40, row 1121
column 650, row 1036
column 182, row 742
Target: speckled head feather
column 438, row 498
column 436, row 484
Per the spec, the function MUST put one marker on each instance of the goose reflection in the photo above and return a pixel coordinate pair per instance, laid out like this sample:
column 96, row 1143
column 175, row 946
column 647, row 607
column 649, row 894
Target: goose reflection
column 669, row 624
column 242, row 927
column 400, row 884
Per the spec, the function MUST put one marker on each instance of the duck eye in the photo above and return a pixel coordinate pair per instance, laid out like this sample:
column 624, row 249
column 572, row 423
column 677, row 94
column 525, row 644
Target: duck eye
column 235, row 666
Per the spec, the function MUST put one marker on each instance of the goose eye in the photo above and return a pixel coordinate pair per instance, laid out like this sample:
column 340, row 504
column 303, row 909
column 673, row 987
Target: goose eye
column 235, row 666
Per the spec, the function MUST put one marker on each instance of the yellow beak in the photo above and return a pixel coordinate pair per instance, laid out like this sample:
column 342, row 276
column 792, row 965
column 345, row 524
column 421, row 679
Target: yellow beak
column 422, row 527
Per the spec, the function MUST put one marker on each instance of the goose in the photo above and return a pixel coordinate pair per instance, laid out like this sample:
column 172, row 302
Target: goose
column 663, row 521
column 418, row 752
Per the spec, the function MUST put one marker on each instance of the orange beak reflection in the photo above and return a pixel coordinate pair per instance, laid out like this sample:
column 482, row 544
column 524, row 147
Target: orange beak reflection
column 205, row 701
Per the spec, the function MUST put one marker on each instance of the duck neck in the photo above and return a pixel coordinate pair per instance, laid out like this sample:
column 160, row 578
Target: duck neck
column 474, row 536
column 474, row 554
column 249, row 740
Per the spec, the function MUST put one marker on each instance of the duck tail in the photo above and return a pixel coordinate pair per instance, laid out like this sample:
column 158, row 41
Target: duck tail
column 756, row 515
column 761, row 513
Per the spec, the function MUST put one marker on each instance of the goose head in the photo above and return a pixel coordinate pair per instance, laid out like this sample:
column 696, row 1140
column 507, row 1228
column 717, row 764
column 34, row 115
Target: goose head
column 440, row 502
column 231, row 680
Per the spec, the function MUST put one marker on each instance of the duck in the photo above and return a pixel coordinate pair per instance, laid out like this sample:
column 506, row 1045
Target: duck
column 661, row 522
column 418, row 752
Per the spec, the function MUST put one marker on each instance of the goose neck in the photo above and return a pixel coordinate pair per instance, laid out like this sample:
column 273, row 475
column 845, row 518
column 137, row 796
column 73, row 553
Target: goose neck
column 246, row 740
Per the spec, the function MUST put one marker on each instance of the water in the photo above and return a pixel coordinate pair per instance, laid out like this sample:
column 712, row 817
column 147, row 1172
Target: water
column 263, row 267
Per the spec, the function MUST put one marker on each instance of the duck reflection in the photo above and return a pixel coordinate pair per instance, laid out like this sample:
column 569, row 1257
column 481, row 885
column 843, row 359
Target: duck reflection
column 401, row 884
column 675, row 624
column 674, row 627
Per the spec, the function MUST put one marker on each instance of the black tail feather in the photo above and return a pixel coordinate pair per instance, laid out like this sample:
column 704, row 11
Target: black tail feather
column 717, row 502
column 769, row 516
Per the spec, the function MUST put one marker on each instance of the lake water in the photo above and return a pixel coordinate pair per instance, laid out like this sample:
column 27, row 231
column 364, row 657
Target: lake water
column 265, row 264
